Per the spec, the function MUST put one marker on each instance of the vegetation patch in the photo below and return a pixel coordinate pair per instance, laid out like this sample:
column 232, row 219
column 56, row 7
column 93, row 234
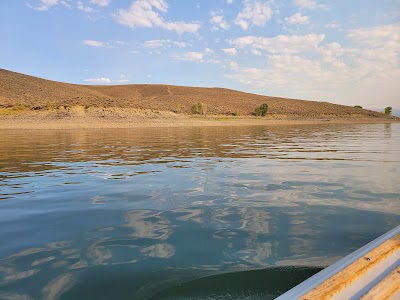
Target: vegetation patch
column 13, row 110
column 199, row 109
column 78, row 110
column 49, row 105
column 261, row 110
column 388, row 110
column 178, row 108
column 235, row 113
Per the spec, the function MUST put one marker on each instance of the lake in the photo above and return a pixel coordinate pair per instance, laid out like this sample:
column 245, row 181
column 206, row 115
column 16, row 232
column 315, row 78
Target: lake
column 189, row 213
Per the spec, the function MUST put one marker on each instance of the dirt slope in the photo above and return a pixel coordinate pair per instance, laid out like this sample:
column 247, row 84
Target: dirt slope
column 20, row 89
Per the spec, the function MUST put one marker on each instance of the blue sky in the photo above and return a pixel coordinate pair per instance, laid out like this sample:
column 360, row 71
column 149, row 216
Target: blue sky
column 345, row 52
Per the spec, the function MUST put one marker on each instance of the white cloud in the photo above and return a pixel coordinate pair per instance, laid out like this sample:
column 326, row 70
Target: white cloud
column 213, row 61
column 254, row 12
column 100, row 2
column 229, row 1
column 48, row 4
column 153, row 44
column 376, row 36
column 192, row 56
column 121, row 43
column 332, row 25
column 107, row 80
column 198, row 57
column 81, row 6
column 143, row 13
column 281, row 43
column 309, row 4
column 293, row 76
column 45, row 5
column 93, row 43
column 297, row 19
column 99, row 80
column 376, row 50
column 303, row 66
column 219, row 21
column 230, row 51
column 101, row 44
column 180, row 44
column 233, row 65
column 332, row 50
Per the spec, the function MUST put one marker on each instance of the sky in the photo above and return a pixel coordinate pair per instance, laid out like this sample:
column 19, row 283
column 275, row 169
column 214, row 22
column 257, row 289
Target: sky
column 345, row 52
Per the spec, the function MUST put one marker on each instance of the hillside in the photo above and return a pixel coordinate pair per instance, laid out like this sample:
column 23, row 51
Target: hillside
column 37, row 94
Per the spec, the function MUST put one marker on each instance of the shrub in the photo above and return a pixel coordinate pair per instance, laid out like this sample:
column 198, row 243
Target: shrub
column 358, row 106
column 199, row 109
column 261, row 110
column 388, row 110
column 13, row 110
column 49, row 105
column 178, row 108
column 19, row 107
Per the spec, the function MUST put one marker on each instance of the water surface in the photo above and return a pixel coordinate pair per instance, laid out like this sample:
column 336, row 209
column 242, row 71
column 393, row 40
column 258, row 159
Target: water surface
column 189, row 213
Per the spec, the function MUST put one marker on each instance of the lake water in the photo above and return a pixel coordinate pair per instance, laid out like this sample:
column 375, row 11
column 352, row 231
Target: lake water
column 189, row 213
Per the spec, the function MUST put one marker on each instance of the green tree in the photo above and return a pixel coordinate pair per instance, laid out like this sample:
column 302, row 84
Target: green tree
column 358, row 106
column 261, row 110
column 199, row 109
column 388, row 110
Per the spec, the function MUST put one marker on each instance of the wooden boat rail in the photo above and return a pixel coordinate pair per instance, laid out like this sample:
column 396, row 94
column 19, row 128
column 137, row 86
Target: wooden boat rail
column 371, row 272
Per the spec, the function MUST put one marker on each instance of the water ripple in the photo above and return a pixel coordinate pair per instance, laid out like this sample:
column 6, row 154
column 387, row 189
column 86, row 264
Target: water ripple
column 147, row 213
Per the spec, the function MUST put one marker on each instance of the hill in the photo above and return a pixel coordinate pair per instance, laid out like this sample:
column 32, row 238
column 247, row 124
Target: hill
column 38, row 94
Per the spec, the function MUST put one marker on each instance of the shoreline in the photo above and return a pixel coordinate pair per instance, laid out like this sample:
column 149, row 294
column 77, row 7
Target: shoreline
column 170, row 121
column 28, row 102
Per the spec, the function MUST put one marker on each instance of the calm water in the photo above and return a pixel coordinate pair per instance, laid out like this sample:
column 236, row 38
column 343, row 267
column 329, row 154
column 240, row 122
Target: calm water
column 194, row 213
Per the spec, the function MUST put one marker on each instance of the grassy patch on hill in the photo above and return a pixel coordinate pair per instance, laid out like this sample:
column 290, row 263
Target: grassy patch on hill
column 13, row 110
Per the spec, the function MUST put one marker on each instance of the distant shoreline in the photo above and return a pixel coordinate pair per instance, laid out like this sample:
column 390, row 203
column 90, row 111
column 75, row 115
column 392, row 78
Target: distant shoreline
column 150, row 119
column 31, row 102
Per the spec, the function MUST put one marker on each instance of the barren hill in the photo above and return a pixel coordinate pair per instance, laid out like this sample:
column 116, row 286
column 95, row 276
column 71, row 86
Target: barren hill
column 36, row 93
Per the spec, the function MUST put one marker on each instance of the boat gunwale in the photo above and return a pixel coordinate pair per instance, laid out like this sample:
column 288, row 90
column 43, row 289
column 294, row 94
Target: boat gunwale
column 314, row 281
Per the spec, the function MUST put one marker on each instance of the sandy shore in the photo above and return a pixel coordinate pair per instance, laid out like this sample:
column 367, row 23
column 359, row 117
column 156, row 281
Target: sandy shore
column 51, row 120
